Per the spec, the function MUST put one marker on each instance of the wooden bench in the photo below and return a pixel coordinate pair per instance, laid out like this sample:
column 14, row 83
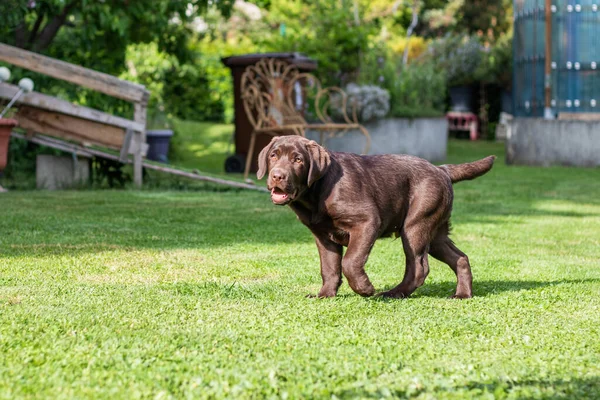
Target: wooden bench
column 275, row 95
column 57, row 118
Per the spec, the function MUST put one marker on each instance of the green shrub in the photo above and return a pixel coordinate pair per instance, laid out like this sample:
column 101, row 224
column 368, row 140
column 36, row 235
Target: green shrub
column 188, row 95
column 418, row 91
column 180, row 89
column 496, row 63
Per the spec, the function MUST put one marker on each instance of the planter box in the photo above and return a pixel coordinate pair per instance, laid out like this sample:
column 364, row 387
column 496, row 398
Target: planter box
column 537, row 141
column 422, row 137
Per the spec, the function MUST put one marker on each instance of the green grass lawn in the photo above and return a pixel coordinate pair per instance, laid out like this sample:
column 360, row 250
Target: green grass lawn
column 202, row 145
column 146, row 294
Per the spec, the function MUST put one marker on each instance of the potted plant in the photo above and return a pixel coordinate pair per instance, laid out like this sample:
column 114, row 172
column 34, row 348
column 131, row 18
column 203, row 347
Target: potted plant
column 7, row 124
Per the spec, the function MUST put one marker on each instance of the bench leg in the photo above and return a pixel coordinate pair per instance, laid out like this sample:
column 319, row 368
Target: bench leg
column 250, row 155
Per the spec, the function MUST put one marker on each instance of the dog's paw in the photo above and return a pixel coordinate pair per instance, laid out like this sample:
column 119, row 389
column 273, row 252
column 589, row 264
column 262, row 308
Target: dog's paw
column 392, row 294
column 461, row 296
column 326, row 294
column 320, row 295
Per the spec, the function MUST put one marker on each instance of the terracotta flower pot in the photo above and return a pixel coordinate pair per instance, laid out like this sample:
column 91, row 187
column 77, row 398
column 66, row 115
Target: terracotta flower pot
column 6, row 126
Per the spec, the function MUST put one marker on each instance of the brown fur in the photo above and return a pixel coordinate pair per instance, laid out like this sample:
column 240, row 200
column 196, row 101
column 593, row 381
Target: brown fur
column 351, row 200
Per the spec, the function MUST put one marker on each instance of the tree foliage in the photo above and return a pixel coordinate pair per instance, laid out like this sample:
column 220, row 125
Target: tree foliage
column 488, row 19
column 101, row 35
column 93, row 31
column 174, row 47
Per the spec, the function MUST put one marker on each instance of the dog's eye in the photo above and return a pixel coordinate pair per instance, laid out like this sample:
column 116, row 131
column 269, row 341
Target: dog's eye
column 298, row 160
column 273, row 155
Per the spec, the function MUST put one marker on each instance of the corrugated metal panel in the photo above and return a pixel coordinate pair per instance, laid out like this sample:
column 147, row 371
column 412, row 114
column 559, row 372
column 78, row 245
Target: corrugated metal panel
column 575, row 80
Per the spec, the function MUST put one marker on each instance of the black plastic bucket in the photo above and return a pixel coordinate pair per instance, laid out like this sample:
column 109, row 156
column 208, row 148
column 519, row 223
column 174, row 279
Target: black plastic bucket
column 158, row 144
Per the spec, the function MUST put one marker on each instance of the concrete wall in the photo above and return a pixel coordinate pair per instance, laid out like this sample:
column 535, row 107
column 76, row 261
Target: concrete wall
column 422, row 137
column 54, row 172
column 536, row 141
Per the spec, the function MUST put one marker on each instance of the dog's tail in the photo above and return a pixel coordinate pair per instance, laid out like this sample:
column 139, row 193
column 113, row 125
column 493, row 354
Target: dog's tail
column 468, row 171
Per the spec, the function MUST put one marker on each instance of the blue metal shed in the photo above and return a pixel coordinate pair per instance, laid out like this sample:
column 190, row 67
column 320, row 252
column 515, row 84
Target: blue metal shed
column 574, row 80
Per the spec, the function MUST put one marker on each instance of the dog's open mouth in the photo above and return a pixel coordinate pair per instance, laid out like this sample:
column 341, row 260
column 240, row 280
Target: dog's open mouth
column 279, row 196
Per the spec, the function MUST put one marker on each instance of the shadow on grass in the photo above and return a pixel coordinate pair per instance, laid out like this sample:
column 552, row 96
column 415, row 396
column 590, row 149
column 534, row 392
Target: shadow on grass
column 258, row 290
column 486, row 288
column 572, row 388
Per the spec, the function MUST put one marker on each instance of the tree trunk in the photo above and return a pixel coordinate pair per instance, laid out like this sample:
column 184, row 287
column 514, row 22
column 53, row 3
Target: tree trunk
column 51, row 29
column 36, row 28
column 21, row 35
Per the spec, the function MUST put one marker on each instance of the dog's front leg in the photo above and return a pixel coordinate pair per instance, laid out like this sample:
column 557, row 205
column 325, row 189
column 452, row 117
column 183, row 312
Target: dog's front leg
column 330, row 254
column 361, row 242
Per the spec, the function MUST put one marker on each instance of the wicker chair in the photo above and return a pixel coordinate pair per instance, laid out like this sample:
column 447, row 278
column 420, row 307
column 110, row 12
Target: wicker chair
column 275, row 95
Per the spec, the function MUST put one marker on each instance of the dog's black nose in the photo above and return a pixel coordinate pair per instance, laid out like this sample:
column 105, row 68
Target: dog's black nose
column 278, row 175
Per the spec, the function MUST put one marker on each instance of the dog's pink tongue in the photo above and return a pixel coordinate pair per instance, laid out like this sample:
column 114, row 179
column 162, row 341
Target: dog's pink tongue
column 278, row 197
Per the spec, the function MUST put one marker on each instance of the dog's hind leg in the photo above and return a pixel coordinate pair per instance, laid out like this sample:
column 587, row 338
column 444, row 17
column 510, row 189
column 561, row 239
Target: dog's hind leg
column 444, row 250
column 417, row 265
column 419, row 229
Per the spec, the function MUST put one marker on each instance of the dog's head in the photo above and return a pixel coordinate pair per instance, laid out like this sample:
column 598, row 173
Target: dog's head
column 293, row 163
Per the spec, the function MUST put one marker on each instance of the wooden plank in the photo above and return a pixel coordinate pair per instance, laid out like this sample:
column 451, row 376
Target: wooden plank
column 85, row 77
column 49, row 103
column 64, row 146
column 73, row 148
column 191, row 175
column 68, row 127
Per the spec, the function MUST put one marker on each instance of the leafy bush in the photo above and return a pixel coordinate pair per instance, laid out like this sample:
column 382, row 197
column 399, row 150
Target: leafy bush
column 187, row 95
column 211, row 50
column 180, row 89
column 419, row 90
column 496, row 63
column 323, row 30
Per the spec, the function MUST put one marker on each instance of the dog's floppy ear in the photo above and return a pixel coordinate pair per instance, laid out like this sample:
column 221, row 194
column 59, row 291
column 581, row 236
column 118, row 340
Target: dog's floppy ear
column 319, row 162
column 263, row 158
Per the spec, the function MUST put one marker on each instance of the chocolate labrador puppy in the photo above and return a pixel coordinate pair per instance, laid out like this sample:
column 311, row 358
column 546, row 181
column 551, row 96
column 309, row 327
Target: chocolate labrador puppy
column 351, row 200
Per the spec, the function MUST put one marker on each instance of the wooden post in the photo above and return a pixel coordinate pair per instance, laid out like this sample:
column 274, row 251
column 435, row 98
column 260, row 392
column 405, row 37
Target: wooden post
column 139, row 139
column 548, row 62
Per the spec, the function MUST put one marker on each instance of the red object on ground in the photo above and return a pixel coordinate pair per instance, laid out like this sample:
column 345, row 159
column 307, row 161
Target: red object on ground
column 6, row 126
column 463, row 121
